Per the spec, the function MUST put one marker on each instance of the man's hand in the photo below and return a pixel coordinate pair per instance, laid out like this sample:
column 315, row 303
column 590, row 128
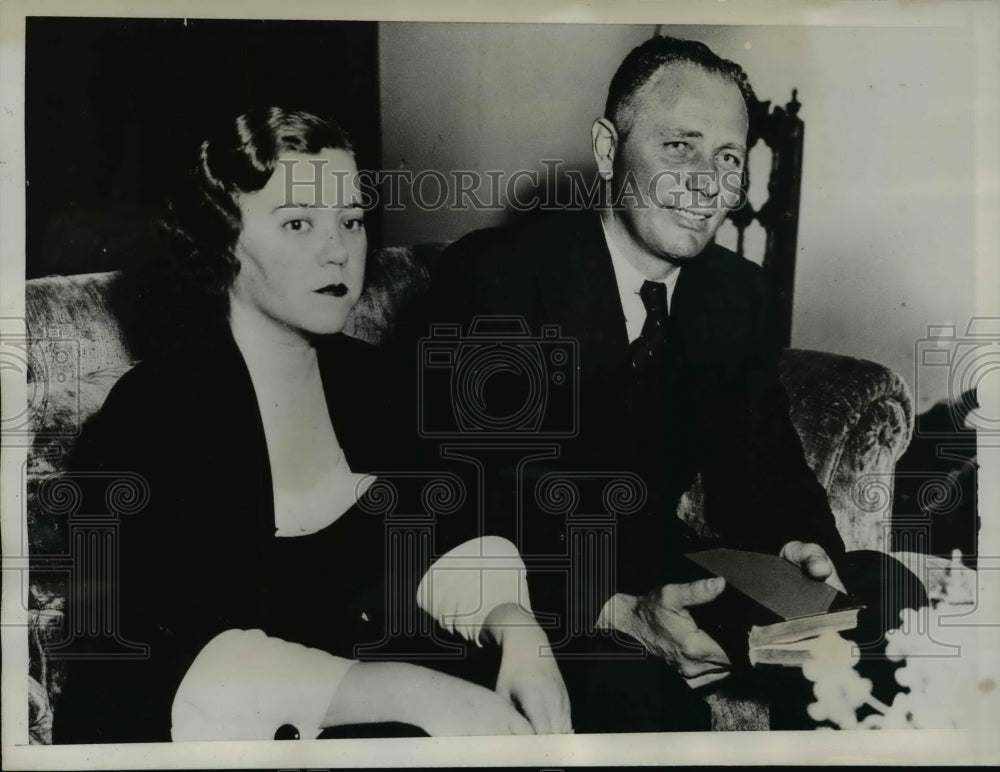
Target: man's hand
column 529, row 676
column 660, row 622
column 813, row 561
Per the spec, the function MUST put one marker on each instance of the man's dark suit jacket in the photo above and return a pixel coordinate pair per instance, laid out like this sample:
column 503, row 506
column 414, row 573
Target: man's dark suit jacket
column 716, row 407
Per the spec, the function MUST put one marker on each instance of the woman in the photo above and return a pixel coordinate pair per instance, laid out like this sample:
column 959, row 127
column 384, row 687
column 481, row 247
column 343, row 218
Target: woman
column 257, row 568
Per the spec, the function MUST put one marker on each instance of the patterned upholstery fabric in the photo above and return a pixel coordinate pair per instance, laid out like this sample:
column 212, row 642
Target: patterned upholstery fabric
column 69, row 315
column 394, row 276
column 854, row 417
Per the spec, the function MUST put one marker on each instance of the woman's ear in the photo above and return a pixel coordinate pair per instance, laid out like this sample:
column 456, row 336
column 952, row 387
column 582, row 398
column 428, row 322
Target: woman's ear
column 605, row 145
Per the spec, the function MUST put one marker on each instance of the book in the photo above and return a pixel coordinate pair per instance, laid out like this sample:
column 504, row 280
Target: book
column 770, row 612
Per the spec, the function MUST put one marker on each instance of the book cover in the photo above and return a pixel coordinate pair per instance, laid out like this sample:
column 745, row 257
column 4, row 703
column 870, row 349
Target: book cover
column 768, row 605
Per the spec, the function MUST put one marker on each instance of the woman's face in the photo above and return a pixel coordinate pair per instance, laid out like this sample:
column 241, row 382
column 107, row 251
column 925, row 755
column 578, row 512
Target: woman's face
column 302, row 246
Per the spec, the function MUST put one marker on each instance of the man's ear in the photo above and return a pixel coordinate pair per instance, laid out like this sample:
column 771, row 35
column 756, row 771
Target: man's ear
column 605, row 145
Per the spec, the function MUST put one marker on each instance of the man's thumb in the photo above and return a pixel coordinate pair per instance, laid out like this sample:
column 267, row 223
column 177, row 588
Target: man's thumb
column 696, row 593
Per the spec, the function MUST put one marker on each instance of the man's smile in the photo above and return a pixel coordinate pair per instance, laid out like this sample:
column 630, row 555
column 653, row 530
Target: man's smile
column 689, row 217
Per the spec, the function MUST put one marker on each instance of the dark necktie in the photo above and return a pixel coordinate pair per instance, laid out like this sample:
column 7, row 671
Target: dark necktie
column 647, row 349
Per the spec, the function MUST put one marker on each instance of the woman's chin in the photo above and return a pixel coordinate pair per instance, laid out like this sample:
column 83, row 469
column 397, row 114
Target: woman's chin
column 332, row 328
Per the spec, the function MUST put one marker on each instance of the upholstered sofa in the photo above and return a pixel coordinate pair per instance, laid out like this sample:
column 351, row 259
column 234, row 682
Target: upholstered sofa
column 855, row 418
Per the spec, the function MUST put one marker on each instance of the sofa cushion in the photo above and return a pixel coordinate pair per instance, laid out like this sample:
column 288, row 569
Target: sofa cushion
column 55, row 425
column 71, row 327
column 394, row 278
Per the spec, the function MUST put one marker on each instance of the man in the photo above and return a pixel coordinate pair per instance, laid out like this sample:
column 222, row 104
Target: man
column 677, row 369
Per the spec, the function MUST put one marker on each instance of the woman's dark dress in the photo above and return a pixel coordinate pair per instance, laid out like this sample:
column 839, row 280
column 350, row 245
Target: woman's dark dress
column 202, row 557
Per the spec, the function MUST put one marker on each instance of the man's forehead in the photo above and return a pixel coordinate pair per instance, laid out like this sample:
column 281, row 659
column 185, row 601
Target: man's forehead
column 686, row 87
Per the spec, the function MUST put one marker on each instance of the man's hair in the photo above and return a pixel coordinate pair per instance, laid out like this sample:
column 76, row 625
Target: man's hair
column 644, row 61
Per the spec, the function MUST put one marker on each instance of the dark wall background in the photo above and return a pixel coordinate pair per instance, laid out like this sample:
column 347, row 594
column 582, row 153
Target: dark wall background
column 115, row 110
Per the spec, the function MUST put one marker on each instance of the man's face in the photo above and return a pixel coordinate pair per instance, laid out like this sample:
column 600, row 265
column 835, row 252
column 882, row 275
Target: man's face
column 684, row 150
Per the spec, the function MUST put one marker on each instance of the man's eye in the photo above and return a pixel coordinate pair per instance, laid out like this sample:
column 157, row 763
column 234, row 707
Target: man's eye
column 680, row 146
column 297, row 225
column 731, row 160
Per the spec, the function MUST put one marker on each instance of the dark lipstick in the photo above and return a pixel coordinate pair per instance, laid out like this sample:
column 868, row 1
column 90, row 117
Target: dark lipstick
column 337, row 290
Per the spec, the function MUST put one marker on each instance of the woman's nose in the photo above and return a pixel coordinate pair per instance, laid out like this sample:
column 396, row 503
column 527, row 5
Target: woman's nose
column 335, row 250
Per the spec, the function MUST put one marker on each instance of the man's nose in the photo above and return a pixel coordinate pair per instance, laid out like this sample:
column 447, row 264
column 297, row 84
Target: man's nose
column 703, row 180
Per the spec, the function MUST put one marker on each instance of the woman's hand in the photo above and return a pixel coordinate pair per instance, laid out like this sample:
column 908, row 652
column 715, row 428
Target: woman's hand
column 451, row 706
column 529, row 676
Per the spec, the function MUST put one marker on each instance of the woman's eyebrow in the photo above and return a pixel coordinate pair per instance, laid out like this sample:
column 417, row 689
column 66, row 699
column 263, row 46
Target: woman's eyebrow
column 293, row 205
column 355, row 204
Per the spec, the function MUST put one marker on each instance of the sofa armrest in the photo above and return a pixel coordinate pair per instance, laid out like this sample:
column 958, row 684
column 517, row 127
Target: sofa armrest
column 855, row 418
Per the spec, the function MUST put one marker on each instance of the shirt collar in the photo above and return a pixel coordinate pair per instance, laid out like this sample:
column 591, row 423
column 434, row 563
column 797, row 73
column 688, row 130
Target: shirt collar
column 630, row 279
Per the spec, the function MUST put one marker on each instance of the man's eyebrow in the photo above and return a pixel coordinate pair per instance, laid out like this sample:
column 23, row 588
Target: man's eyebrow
column 692, row 134
column 683, row 133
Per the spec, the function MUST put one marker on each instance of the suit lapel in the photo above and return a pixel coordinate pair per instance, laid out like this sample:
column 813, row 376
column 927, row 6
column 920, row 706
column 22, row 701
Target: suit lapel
column 710, row 311
column 579, row 292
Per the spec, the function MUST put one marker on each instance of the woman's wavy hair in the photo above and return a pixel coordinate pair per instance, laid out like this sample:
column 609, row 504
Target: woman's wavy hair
column 178, row 294
column 240, row 158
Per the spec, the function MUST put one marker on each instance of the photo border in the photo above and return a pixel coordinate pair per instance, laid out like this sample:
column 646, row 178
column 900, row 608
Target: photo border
column 826, row 747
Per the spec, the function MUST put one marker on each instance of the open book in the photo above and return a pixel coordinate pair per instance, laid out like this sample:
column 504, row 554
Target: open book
column 769, row 613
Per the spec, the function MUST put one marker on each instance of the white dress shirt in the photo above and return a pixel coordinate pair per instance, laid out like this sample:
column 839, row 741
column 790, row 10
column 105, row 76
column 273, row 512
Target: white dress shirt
column 630, row 280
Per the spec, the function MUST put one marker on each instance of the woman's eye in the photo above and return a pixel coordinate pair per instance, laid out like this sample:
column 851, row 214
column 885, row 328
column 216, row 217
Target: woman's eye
column 297, row 226
column 355, row 223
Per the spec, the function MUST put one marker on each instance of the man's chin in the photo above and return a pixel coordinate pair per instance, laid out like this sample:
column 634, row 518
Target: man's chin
column 680, row 252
